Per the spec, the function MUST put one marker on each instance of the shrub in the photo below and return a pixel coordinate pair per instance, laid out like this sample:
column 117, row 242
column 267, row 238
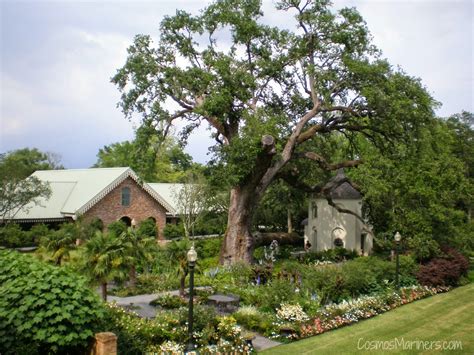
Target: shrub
column 173, row 231
column 203, row 316
column 169, row 301
column 251, row 318
column 147, row 228
column 423, row 248
column 47, row 307
column 207, row 248
column 136, row 334
column 444, row 271
column 11, row 236
column 39, row 231
column 334, row 255
column 117, row 228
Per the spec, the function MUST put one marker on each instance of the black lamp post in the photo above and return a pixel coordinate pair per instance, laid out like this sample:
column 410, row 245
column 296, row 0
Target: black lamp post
column 397, row 238
column 192, row 257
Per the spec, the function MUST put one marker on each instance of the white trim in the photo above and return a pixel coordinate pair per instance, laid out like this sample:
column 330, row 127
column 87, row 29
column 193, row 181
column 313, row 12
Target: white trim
column 128, row 173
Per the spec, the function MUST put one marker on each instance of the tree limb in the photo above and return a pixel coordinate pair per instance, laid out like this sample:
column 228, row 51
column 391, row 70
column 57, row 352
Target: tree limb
column 326, row 166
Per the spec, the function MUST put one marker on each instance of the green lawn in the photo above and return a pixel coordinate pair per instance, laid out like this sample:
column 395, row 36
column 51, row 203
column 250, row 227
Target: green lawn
column 441, row 318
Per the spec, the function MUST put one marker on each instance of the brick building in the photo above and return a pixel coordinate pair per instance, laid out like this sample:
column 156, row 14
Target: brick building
column 109, row 194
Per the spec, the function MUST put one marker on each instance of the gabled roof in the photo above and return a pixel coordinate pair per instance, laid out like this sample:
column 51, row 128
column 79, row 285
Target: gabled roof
column 345, row 191
column 169, row 191
column 74, row 191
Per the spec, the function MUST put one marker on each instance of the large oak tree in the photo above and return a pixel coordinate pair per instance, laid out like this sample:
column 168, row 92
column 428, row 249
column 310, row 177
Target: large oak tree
column 267, row 93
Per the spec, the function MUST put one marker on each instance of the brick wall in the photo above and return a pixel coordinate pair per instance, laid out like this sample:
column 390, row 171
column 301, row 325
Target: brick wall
column 142, row 206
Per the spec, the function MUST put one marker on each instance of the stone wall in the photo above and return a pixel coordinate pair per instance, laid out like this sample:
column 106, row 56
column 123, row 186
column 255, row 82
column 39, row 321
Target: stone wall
column 142, row 206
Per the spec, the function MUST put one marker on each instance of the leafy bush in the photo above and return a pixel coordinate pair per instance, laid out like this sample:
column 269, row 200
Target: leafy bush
column 423, row 248
column 136, row 334
column 251, row 318
column 117, row 228
column 147, row 228
column 207, row 248
column 173, row 231
column 444, row 271
column 47, row 307
column 169, row 302
column 11, row 236
column 334, row 255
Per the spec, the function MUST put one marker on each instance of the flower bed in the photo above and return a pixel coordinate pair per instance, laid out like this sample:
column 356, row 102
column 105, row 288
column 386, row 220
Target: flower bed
column 345, row 313
column 167, row 333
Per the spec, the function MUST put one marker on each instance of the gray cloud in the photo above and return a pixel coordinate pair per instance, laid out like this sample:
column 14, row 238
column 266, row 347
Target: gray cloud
column 57, row 59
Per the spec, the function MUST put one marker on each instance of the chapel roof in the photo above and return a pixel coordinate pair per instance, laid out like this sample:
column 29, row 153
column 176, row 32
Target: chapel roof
column 345, row 191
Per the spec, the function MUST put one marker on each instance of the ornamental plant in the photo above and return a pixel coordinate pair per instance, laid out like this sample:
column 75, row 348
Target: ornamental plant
column 444, row 271
column 291, row 313
column 48, row 308
column 334, row 316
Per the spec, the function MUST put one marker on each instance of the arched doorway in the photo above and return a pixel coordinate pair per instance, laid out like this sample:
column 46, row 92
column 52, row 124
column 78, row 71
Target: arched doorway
column 127, row 220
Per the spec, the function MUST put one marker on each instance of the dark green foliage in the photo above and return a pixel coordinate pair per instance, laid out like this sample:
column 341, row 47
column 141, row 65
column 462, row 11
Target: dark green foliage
column 47, row 307
column 209, row 247
column 147, row 228
column 252, row 319
column 117, row 228
column 444, row 271
column 169, row 302
column 17, row 187
column 11, row 236
column 134, row 334
column 335, row 255
column 203, row 316
column 173, row 231
column 421, row 188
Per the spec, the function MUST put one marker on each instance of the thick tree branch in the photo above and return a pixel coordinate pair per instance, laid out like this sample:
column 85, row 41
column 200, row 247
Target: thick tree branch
column 326, row 166
column 310, row 133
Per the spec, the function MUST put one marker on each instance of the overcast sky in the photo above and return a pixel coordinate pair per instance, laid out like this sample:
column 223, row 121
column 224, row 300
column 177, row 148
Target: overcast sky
column 57, row 59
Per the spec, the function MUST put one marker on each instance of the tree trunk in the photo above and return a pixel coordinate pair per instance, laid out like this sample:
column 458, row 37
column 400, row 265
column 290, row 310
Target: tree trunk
column 103, row 287
column 133, row 276
column 238, row 241
column 182, row 283
column 290, row 224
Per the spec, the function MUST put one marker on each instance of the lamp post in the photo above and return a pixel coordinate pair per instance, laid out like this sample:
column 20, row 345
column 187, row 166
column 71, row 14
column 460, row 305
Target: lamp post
column 397, row 238
column 192, row 257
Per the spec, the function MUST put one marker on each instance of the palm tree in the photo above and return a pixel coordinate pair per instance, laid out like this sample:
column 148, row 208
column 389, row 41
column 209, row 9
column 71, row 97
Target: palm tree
column 104, row 259
column 60, row 243
column 176, row 251
column 138, row 249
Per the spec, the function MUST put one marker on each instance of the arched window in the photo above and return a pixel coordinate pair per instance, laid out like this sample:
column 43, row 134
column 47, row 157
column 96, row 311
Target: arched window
column 126, row 196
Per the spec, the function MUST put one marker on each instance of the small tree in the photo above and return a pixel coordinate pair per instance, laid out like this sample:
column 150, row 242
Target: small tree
column 17, row 187
column 176, row 251
column 191, row 201
column 104, row 259
column 138, row 249
column 60, row 243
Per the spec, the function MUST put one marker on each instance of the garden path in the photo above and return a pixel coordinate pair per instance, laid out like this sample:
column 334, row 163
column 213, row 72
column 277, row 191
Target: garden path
column 140, row 304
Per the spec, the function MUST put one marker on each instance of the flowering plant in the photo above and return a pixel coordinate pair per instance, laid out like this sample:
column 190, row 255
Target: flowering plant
column 291, row 313
column 351, row 311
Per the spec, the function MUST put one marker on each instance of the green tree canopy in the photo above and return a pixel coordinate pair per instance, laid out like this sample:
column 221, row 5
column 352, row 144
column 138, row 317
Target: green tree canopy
column 153, row 159
column 266, row 93
column 421, row 189
column 17, row 187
